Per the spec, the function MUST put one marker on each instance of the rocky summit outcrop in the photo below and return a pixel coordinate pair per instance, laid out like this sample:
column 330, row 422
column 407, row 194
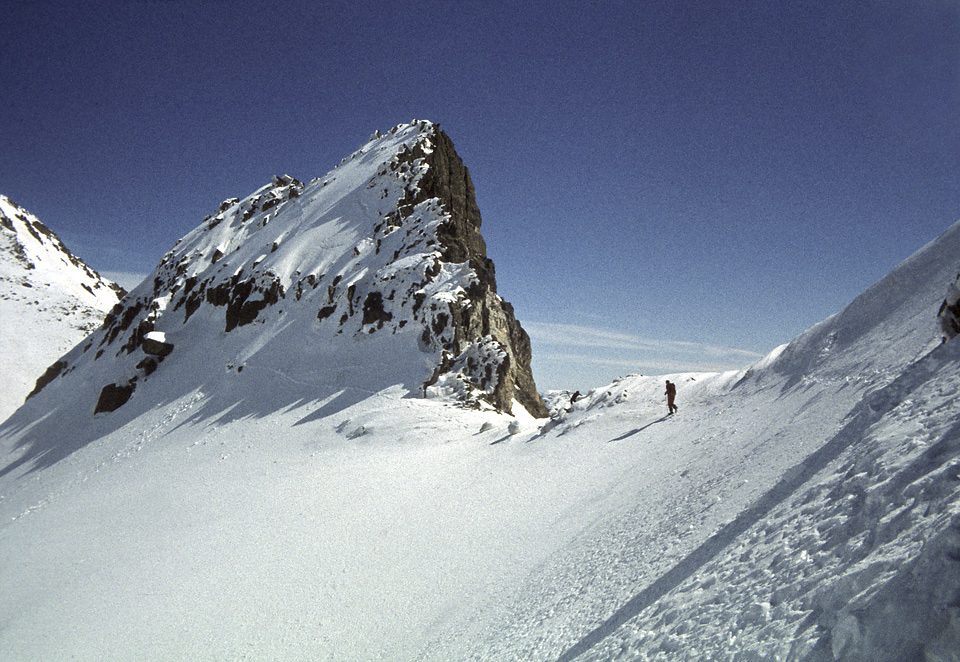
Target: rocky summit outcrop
column 373, row 275
column 483, row 314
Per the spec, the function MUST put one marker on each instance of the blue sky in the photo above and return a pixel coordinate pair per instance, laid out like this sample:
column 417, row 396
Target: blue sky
column 665, row 185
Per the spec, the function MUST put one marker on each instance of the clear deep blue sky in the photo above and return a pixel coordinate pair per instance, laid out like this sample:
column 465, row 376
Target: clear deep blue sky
column 661, row 182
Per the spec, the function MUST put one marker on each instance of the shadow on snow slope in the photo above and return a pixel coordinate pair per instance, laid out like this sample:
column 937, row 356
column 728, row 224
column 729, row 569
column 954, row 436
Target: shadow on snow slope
column 186, row 393
column 627, row 435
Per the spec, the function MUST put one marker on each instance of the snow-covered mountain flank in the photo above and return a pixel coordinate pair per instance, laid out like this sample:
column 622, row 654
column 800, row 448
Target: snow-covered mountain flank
column 304, row 451
column 49, row 301
column 372, row 276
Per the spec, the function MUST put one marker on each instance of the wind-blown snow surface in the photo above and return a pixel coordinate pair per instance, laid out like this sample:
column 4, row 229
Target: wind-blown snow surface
column 49, row 301
column 804, row 509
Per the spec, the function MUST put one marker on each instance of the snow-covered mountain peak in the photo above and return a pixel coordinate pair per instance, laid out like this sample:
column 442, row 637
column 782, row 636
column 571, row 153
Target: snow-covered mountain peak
column 371, row 276
column 31, row 252
column 49, row 301
column 327, row 230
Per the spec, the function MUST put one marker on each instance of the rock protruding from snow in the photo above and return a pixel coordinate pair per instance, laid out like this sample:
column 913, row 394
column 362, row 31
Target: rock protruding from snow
column 49, row 301
column 950, row 310
column 155, row 343
column 113, row 396
column 382, row 260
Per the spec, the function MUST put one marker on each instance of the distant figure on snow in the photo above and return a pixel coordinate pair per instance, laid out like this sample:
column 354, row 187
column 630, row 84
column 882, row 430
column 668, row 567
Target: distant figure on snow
column 671, row 394
column 576, row 396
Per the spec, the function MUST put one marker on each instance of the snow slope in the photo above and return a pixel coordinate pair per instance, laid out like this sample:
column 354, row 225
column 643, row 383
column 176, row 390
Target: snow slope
column 49, row 301
column 806, row 508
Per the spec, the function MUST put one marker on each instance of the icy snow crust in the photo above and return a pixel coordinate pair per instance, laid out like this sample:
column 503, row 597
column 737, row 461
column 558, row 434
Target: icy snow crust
column 49, row 301
column 804, row 509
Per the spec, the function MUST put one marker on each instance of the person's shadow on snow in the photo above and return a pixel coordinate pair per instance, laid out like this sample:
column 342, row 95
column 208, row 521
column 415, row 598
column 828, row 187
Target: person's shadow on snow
column 638, row 430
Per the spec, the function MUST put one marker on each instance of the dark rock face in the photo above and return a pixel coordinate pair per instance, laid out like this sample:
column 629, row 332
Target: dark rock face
column 487, row 315
column 148, row 365
column 949, row 313
column 244, row 299
column 448, row 180
column 112, row 397
column 48, row 376
column 373, row 312
column 156, row 347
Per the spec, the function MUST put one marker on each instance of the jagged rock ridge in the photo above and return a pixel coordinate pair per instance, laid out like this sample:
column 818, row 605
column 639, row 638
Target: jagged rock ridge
column 381, row 258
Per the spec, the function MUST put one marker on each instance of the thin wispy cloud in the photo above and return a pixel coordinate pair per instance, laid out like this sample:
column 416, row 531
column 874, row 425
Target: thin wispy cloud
column 574, row 335
column 580, row 354
column 652, row 365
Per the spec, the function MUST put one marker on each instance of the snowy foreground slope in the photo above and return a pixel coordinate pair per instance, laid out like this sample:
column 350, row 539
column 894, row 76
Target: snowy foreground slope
column 49, row 301
column 806, row 508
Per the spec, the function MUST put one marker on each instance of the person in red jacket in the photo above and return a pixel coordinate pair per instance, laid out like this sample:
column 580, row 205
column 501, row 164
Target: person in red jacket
column 671, row 394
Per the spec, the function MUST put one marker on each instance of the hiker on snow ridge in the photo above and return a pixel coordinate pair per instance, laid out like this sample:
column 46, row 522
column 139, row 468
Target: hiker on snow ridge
column 671, row 393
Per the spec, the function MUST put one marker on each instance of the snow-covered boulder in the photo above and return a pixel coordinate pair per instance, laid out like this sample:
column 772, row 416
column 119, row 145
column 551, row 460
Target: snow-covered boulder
column 155, row 343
